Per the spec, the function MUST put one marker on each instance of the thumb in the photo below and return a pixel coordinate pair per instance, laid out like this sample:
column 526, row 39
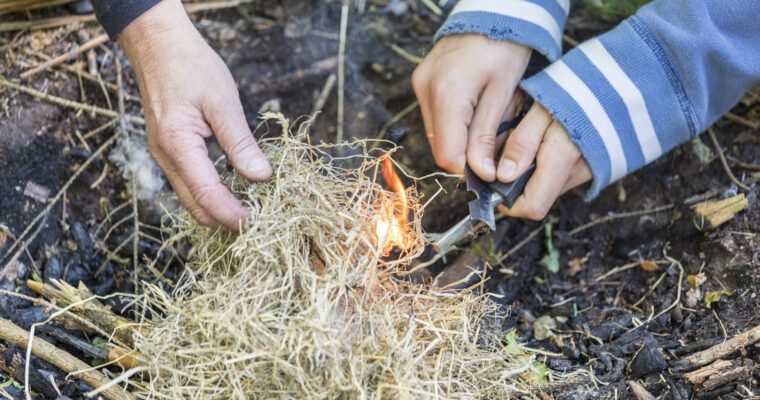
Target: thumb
column 227, row 121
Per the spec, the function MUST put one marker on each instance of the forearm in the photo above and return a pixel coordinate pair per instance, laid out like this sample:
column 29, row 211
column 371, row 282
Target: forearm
column 115, row 15
column 658, row 79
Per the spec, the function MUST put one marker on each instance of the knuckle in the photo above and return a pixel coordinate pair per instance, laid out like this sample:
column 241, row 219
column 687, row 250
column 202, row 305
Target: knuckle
column 535, row 212
column 520, row 145
column 199, row 215
column 439, row 88
column 201, row 193
column 419, row 79
column 241, row 145
column 484, row 139
column 169, row 134
column 447, row 161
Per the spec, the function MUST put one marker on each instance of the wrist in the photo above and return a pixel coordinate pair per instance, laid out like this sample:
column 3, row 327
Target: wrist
column 157, row 34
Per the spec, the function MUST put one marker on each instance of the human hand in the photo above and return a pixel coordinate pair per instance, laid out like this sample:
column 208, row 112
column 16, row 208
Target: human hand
column 559, row 163
column 188, row 95
column 466, row 88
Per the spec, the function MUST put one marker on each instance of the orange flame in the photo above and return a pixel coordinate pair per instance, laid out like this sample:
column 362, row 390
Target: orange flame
column 392, row 226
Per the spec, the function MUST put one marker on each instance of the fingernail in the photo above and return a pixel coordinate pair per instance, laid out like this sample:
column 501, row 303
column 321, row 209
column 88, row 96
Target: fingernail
column 259, row 167
column 506, row 169
column 488, row 166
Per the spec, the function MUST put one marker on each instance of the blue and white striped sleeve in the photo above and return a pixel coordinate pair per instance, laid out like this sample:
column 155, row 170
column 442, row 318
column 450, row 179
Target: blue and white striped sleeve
column 537, row 24
column 658, row 79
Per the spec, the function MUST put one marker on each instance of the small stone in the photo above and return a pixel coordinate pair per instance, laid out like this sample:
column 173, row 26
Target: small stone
column 647, row 361
column 81, row 7
column 543, row 326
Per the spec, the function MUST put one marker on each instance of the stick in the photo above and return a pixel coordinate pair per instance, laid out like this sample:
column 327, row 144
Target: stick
column 613, row 217
column 514, row 249
column 723, row 161
column 319, row 104
column 741, row 120
column 69, row 103
column 71, row 19
column 88, row 307
column 102, row 39
column 10, row 332
column 342, row 71
column 696, row 360
column 396, row 118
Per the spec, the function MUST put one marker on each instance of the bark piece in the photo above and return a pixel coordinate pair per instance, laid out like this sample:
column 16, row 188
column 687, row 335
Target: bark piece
column 639, row 391
column 721, row 350
column 712, row 214
column 720, row 373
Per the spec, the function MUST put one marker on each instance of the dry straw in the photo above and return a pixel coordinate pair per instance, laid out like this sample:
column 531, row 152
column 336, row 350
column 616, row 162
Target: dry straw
column 304, row 305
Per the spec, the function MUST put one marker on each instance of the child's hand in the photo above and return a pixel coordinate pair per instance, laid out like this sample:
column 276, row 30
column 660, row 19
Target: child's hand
column 559, row 163
column 466, row 87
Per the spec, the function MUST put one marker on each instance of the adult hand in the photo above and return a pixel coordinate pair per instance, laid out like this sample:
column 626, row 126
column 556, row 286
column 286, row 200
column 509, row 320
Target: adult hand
column 466, row 88
column 188, row 95
column 559, row 163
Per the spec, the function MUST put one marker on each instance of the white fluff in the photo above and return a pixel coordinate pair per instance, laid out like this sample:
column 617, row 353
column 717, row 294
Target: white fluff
column 136, row 165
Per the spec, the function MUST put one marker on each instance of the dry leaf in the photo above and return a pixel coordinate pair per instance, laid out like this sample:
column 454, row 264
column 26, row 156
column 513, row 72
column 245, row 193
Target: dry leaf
column 576, row 265
column 649, row 266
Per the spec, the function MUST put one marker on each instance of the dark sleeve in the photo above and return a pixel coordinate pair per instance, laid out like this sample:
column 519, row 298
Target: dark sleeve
column 115, row 15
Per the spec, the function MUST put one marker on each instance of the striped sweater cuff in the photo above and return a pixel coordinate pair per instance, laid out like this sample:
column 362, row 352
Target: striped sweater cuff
column 537, row 24
column 619, row 98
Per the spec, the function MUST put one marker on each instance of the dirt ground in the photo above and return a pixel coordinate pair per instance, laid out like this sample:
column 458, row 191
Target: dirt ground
column 631, row 325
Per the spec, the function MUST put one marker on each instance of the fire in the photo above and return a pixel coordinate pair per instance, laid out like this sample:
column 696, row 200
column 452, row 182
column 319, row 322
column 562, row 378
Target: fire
column 392, row 225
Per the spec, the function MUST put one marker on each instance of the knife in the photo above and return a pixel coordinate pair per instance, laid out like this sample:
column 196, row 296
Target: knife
column 487, row 197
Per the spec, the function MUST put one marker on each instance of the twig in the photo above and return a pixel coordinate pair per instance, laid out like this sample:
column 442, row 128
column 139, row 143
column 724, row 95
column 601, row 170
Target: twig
column 89, row 307
column 675, row 302
column 751, row 167
column 11, row 333
column 514, row 249
column 72, row 19
column 67, row 56
column 723, row 161
column 69, row 103
column 625, row 267
column 433, row 7
column 414, row 59
column 396, row 118
column 342, row 71
column 741, row 120
column 46, row 23
column 613, row 217
column 569, row 40
column 319, row 103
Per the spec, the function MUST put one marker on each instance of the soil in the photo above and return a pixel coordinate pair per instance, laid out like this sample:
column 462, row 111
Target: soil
column 281, row 56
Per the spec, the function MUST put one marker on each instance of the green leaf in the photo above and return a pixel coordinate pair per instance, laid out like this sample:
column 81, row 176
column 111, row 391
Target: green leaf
column 551, row 259
column 539, row 373
column 7, row 383
column 512, row 348
column 36, row 277
column 714, row 296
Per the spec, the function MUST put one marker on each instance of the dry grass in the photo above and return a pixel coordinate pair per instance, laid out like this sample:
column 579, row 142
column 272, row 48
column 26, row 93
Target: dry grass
column 304, row 305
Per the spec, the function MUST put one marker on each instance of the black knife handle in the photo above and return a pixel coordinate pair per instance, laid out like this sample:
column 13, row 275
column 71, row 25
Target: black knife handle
column 511, row 191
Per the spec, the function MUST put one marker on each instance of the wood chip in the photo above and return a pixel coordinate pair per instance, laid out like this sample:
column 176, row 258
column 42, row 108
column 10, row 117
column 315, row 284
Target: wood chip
column 639, row 391
column 36, row 192
column 711, row 215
